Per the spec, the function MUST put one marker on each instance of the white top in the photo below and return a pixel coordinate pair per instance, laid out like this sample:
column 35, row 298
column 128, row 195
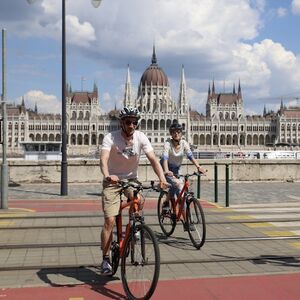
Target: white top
column 123, row 159
column 175, row 157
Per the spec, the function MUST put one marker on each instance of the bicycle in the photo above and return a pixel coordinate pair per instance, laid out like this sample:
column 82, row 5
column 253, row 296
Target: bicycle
column 137, row 247
column 186, row 203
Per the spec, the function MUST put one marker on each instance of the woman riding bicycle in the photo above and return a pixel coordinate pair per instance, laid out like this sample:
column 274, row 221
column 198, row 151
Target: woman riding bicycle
column 174, row 151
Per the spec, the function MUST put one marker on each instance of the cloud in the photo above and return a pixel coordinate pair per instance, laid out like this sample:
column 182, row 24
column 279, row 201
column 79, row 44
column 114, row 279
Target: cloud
column 213, row 39
column 281, row 12
column 296, row 7
column 45, row 103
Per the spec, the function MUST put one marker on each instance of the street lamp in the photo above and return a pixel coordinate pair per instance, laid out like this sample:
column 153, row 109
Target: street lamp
column 64, row 163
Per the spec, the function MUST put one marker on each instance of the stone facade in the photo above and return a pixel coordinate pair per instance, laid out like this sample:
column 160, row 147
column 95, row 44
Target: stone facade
column 225, row 126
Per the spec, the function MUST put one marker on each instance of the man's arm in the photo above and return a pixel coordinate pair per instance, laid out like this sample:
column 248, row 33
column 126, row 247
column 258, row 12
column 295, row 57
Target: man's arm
column 104, row 167
column 157, row 169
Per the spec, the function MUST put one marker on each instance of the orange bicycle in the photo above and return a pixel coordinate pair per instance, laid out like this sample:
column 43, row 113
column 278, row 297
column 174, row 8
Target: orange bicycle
column 137, row 247
column 185, row 208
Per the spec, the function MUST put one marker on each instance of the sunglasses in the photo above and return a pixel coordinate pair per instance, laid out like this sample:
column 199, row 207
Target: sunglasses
column 129, row 122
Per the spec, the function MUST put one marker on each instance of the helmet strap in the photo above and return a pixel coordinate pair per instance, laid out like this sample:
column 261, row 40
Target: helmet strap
column 125, row 132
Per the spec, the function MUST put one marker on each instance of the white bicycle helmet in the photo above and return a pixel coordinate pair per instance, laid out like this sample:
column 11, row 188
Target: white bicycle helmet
column 128, row 112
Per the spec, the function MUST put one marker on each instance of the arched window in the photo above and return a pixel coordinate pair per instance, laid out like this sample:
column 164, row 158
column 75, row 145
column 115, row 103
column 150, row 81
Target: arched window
column 143, row 124
column 73, row 139
column 149, row 125
column 86, row 139
column 94, row 139
column 100, row 139
column 79, row 139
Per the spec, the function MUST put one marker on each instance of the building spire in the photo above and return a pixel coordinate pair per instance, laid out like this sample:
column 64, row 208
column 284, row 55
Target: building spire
column 35, row 108
column 95, row 88
column 154, row 60
column 239, row 91
column 127, row 95
column 182, row 93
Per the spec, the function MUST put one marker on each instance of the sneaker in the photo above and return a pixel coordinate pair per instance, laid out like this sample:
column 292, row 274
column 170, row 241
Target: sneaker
column 105, row 267
column 165, row 206
column 186, row 226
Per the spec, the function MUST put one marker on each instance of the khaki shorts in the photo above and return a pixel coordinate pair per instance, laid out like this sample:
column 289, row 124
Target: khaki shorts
column 111, row 198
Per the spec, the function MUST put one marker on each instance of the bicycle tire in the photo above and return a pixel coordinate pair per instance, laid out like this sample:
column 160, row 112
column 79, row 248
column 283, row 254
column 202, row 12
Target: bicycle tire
column 115, row 257
column 195, row 222
column 166, row 219
column 140, row 263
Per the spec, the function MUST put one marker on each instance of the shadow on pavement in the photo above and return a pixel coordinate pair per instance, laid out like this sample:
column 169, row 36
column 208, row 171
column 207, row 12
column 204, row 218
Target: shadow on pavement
column 278, row 260
column 287, row 261
column 86, row 275
column 175, row 241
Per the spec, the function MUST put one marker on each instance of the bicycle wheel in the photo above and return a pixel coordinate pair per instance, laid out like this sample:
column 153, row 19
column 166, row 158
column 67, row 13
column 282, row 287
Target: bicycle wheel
column 115, row 257
column 166, row 217
column 195, row 222
column 140, row 263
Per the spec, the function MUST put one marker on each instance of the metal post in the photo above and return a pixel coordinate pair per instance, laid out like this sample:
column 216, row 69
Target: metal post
column 227, row 185
column 64, row 163
column 216, row 182
column 4, row 167
column 198, row 186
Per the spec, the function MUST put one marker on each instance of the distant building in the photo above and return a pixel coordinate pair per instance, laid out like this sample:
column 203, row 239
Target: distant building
column 225, row 125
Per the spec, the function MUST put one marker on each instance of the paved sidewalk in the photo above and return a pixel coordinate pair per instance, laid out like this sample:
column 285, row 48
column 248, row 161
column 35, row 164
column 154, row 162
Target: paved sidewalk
column 52, row 241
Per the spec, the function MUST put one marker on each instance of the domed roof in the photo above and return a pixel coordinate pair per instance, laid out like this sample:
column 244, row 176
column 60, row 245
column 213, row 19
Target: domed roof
column 154, row 74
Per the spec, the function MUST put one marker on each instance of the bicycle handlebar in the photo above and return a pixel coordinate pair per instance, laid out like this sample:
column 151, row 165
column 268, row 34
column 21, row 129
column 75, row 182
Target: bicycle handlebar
column 190, row 175
column 138, row 185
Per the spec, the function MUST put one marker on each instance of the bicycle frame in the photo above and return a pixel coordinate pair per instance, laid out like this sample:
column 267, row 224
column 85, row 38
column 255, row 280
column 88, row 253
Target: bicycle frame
column 181, row 199
column 133, row 209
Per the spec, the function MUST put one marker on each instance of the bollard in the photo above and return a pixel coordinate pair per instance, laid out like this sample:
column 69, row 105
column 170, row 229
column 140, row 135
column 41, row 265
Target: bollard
column 216, row 182
column 227, row 185
column 198, row 186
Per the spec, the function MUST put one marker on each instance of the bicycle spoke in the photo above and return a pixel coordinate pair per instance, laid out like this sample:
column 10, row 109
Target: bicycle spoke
column 140, row 269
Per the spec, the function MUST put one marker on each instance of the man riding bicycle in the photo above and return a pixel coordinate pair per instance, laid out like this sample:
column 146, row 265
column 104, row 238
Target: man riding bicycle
column 119, row 160
column 174, row 151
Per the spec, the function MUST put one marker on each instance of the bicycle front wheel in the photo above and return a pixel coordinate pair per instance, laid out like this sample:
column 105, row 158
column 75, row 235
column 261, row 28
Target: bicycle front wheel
column 196, row 222
column 140, row 263
column 165, row 213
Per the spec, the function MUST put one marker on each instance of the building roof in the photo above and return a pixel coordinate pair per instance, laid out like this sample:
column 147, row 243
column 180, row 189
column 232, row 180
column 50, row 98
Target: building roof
column 228, row 98
column 82, row 97
column 292, row 113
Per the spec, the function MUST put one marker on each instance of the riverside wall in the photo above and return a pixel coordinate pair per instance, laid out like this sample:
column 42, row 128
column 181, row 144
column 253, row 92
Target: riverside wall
column 84, row 171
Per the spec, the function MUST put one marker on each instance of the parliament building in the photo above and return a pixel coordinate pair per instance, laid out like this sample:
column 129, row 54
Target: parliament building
column 224, row 126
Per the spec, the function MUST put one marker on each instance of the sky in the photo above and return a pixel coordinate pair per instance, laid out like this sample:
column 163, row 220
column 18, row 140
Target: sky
column 251, row 41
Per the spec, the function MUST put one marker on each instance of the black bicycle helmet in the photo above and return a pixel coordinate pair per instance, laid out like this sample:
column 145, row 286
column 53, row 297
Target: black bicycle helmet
column 129, row 112
column 175, row 127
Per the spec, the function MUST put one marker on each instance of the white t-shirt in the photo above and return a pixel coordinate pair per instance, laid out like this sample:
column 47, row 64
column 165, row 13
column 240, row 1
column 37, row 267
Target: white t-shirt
column 175, row 157
column 123, row 160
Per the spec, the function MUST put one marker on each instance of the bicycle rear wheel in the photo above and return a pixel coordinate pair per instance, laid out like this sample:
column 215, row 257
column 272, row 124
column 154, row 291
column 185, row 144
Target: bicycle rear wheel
column 140, row 263
column 166, row 217
column 195, row 222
